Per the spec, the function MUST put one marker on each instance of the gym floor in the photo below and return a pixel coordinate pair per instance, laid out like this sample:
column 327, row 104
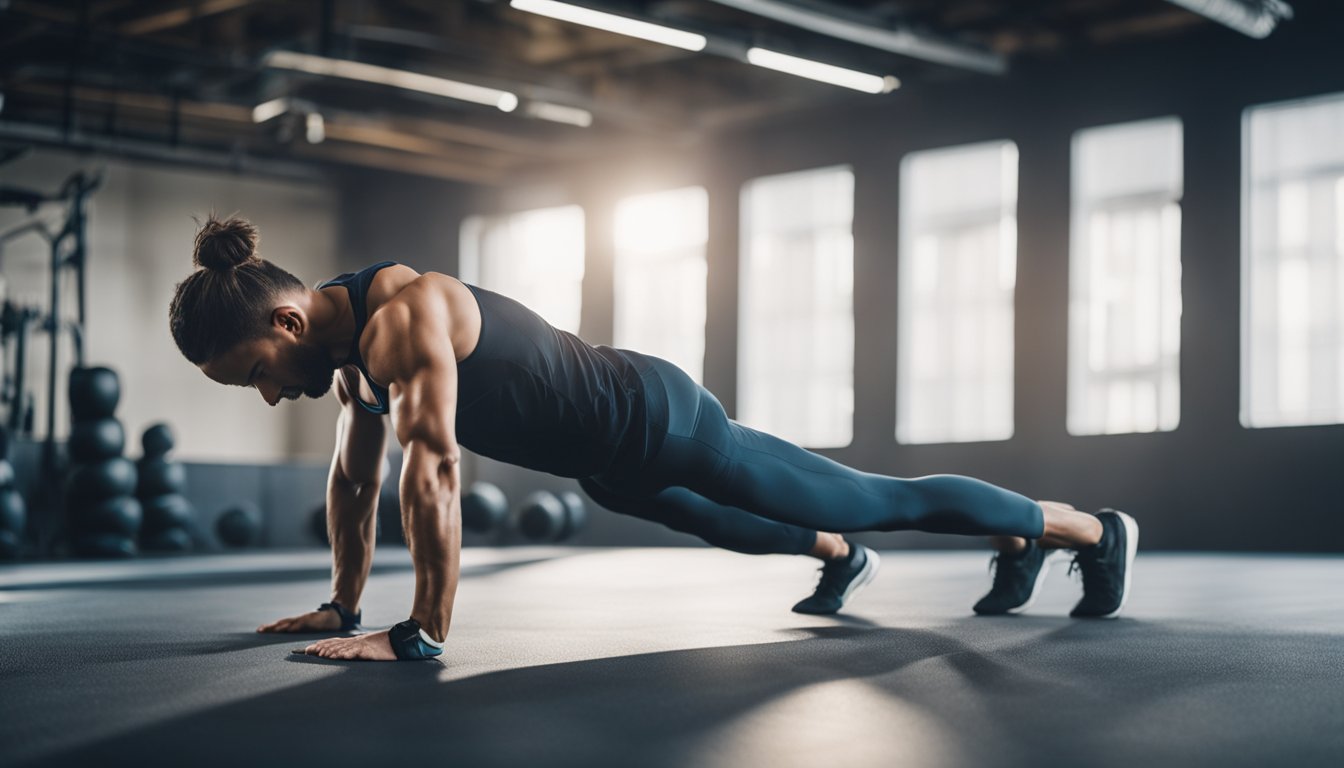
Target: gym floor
column 651, row 657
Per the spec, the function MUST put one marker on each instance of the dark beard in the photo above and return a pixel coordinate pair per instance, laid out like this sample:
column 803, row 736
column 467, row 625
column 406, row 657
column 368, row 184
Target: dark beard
column 316, row 368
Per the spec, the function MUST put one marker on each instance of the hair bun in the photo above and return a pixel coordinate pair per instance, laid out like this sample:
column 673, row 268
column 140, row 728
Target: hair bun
column 223, row 245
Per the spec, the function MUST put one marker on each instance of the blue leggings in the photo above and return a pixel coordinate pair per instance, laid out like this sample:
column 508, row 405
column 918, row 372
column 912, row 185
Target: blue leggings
column 748, row 491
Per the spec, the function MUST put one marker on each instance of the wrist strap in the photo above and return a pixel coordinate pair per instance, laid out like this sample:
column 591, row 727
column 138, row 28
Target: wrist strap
column 349, row 620
column 411, row 643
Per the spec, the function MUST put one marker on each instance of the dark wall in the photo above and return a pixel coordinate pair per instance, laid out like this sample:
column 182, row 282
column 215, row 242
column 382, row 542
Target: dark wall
column 1209, row 484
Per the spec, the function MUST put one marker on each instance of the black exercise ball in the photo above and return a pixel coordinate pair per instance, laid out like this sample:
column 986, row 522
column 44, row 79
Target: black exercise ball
column 576, row 513
column 11, row 545
column 484, row 508
column 105, row 545
column 157, row 441
column 168, row 540
column 13, row 512
column 170, row 510
column 238, row 526
column 100, row 480
column 6, row 473
column 160, row 476
column 119, row 515
column 96, row 440
column 94, row 393
column 542, row 517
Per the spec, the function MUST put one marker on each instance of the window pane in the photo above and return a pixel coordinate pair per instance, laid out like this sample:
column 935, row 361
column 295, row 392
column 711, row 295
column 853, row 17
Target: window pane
column 958, row 269
column 534, row 257
column 796, row 309
column 659, row 275
column 1293, row 264
column 1125, row 273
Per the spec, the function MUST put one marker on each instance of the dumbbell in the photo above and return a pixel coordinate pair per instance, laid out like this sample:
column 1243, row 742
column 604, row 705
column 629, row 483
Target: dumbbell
column 238, row 526
column 545, row 516
column 157, row 441
column 13, row 515
column 485, row 508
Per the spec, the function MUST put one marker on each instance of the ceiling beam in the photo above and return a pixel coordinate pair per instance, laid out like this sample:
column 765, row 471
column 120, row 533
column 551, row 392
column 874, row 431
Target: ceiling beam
column 176, row 17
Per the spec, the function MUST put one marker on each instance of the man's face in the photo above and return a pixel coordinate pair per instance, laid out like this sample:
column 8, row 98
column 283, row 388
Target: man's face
column 279, row 366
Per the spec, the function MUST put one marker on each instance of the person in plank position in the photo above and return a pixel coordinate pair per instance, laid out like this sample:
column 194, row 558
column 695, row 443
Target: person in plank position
column 457, row 366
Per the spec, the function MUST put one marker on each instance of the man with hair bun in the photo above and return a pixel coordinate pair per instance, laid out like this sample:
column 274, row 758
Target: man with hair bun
column 455, row 365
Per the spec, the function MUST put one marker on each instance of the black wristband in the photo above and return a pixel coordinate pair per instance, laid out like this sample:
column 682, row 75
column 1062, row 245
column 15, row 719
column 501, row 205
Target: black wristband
column 410, row 643
column 349, row 620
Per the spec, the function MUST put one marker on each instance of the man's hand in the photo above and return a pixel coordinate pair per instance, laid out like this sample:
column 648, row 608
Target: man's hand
column 313, row 621
column 372, row 646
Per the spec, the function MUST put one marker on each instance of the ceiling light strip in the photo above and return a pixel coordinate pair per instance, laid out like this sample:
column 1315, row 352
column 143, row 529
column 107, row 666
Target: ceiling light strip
column 610, row 22
column 395, row 78
column 826, row 73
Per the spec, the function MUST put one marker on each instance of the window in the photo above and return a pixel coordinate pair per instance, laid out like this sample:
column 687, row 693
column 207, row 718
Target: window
column 957, row 270
column 796, row 311
column 1125, row 279
column 1292, row 369
column 534, row 257
column 659, row 273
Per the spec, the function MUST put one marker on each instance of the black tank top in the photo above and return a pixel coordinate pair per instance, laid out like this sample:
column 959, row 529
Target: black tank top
column 529, row 393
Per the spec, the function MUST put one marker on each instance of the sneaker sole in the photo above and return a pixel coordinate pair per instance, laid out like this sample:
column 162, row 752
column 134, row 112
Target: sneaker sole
column 866, row 575
column 1131, row 549
column 1040, row 579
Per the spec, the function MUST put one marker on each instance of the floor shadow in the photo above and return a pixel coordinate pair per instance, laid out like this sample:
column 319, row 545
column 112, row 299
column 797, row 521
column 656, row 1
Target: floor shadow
column 1124, row 693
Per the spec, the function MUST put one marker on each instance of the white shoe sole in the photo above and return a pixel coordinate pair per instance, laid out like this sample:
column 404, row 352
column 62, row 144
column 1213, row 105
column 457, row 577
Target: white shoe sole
column 866, row 575
column 1051, row 557
column 1131, row 549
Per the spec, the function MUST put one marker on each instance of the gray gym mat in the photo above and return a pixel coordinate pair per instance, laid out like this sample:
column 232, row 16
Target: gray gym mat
column 674, row 657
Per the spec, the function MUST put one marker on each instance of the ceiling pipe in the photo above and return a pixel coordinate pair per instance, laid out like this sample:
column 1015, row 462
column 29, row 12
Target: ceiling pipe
column 1253, row 18
column 875, row 34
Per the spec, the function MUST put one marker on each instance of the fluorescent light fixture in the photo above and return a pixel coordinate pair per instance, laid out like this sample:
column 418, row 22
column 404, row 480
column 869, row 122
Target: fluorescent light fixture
column 621, row 25
column 269, row 110
column 1251, row 18
column 395, row 78
column 826, row 73
column 316, row 128
column 558, row 113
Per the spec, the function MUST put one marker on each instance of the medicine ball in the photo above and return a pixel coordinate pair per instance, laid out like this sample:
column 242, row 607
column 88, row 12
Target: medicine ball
column 96, row 440
column 238, row 526
column 104, row 545
column 6, row 473
column 157, row 441
column 119, row 515
column 171, row 510
column 13, row 512
column 160, row 476
column 484, row 508
column 94, row 393
column 100, row 480
column 169, row 540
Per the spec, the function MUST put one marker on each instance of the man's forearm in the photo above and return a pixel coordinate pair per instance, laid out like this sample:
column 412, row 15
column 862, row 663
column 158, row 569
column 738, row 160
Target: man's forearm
column 433, row 521
column 352, row 519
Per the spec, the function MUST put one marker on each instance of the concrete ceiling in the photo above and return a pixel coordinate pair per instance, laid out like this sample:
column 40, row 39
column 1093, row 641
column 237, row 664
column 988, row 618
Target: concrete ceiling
column 180, row 79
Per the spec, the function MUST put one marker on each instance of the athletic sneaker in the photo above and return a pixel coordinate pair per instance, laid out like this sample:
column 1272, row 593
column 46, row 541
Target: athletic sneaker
column 1106, row 566
column 1017, row 578
column 840, row 579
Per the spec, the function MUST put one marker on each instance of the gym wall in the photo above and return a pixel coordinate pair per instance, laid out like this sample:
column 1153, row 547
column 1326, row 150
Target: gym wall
column 1210, row 484
column 140, row 241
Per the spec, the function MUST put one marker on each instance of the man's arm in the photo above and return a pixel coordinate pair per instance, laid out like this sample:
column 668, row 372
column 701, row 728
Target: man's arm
column 353, row 484
column 422, row 373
